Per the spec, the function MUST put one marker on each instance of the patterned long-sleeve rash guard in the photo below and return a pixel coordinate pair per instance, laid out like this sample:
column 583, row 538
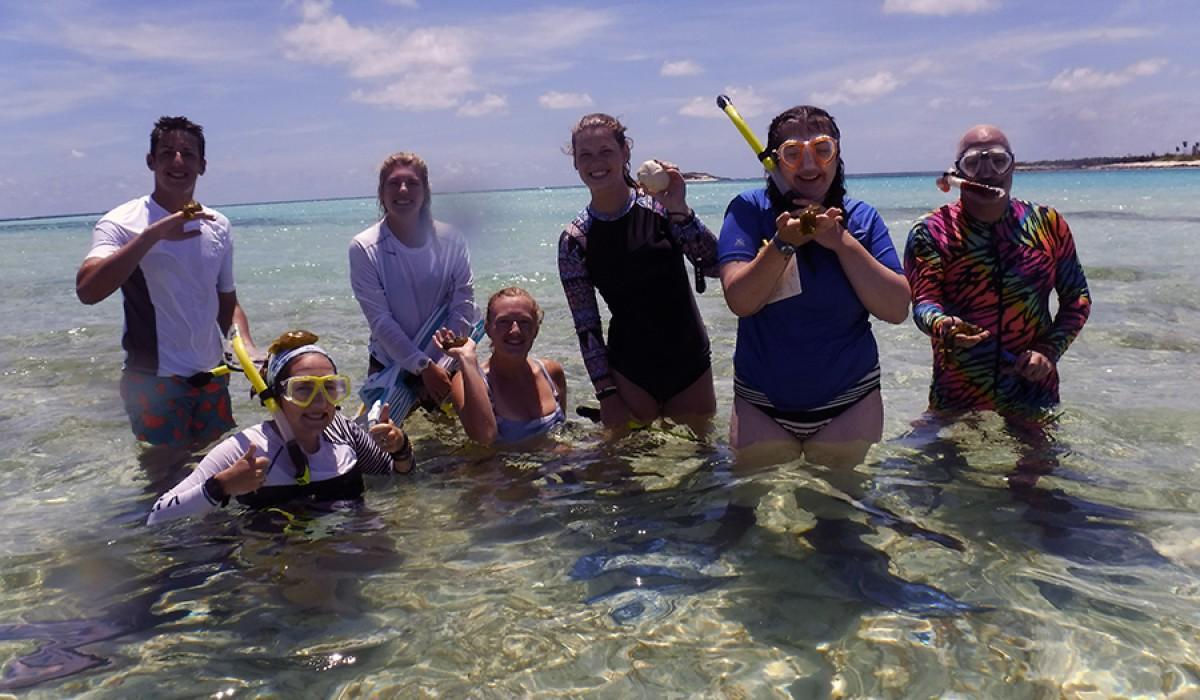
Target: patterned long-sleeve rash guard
column 642, row 229
column 346, row 453
column 997, row 276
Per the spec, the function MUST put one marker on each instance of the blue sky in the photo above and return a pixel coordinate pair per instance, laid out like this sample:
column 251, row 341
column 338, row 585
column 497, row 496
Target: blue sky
column 303, row 98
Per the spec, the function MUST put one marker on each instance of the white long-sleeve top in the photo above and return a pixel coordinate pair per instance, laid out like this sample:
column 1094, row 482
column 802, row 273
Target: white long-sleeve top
column 399, row 288
column 343, row 447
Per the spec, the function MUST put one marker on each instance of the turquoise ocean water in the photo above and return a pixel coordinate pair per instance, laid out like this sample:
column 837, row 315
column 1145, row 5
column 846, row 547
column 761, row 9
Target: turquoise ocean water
column 647, row 568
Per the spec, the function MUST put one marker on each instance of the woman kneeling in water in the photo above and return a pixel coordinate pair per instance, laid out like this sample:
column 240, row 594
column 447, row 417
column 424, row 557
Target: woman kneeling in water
column 324, row 460
column 512, row 397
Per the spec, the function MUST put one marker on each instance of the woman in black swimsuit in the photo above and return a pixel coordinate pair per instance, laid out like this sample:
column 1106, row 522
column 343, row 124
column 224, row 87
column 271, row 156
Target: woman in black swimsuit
column 630, row 247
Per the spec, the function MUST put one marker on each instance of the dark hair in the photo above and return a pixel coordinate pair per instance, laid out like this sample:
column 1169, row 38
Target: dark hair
column 605, row 122
column 814, row 117
column 518, row 293
column 165, row 125
column 418, row 164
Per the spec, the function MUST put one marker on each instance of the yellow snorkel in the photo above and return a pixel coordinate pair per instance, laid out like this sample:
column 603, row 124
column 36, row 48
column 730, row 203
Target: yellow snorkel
column 256, row 380
column 726, row 106
column 303, row 475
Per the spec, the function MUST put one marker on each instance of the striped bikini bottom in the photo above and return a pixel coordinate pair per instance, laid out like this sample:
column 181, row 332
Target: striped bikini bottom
column 802, row 425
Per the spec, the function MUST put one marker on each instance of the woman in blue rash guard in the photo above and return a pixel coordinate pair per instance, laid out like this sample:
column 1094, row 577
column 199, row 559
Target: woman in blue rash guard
column 325, row 459
column 804, row 271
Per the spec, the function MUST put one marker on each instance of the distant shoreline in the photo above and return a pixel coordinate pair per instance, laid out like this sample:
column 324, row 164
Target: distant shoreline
column 701, row 177
column 1108, row 164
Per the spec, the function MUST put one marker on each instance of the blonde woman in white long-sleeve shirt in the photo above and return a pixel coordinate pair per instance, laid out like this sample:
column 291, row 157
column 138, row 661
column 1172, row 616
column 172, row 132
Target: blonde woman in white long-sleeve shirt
column 406, row 267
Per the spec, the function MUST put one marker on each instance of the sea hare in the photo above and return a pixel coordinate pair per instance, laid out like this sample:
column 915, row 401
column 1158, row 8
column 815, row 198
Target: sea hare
column 191, row 210
column 808, row 219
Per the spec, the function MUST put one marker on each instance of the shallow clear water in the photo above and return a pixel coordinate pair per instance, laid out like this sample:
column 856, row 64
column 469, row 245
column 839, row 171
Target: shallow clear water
column 647, row 568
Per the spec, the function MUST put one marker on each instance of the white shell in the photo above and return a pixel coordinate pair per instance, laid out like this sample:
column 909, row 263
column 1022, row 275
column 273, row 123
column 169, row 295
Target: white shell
column 652, row 176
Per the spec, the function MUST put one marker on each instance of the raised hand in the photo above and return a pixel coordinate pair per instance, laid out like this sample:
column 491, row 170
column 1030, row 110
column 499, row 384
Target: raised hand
column 387, row 434
column 674, row 198
column 460, row 347
column 245, row 475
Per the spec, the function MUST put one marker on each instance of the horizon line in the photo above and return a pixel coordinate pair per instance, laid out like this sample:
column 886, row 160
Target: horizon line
column 718, row 179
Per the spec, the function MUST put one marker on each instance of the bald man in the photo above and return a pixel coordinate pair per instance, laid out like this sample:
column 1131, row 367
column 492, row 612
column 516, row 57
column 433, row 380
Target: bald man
column 981, row 271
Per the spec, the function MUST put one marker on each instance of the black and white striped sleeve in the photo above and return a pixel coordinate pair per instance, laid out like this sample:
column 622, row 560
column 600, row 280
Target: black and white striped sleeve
column 368, row 455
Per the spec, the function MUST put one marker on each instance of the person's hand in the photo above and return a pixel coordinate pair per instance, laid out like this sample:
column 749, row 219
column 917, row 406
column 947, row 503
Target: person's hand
column 387, row 434
column 674, row 198
column 1033, row 365
column 436, row 381
column 829, row 228
column 963, row 334
column 800, row 226
column 170, row 228
column 246, row 475
column 461, row 348
column 614, row 412
column 791, row 229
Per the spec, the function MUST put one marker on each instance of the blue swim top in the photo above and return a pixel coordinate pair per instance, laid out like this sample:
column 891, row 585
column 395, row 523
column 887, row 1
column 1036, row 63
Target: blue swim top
column 510, row 430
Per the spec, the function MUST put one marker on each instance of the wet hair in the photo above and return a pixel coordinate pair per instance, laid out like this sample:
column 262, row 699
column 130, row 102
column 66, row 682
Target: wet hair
column 165, row 125
column 814, row 117
column 605, row 122
column 515, row 293
column 417, row 163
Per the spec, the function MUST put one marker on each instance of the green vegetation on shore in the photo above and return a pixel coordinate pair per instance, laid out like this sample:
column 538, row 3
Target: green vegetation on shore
column 1187, row 151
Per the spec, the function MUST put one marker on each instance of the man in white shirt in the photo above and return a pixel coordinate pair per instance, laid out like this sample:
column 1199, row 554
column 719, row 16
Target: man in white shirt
column 173, row 262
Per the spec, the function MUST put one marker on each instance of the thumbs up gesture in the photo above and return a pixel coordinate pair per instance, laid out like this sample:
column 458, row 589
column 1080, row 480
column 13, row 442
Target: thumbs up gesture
column 386, row 433
column 245, row 475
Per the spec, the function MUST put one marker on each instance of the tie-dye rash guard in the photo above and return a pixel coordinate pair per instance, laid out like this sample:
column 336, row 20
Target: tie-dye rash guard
column 998, row 276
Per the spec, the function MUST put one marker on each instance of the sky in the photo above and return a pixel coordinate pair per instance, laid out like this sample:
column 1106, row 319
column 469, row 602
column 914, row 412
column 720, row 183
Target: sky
column 302, row 99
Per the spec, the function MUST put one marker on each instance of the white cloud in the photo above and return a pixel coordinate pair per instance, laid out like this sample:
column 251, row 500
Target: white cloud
column 489, row 104
column 410, row 4
column 745, row 101
column 432, row 68
column 674, row 69
column 54, row 89
column 166, row 42
column 941, row 8
column 76, row 153
column 565, row 100
column 1084, row 79
column 921, row 66
column 853, row 92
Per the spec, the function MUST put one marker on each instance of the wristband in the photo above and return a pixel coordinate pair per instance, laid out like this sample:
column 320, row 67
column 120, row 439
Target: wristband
column 216, row 492
column 405, row 452
column 606, row 392
column 682, row 218
column 787, row 249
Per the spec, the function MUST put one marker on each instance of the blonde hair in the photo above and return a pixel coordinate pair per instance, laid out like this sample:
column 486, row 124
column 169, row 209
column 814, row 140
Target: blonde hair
column 518, row 293
column 417, row 163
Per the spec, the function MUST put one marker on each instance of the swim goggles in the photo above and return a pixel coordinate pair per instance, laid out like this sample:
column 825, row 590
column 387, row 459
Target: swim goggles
column 303, row 390
column 824, row 150
column 972, row 160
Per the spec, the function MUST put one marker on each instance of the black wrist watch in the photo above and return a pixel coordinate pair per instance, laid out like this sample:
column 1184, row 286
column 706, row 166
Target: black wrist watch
column 606, row 392
column 215, row 491
column 405, row 451
column 782, row 246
